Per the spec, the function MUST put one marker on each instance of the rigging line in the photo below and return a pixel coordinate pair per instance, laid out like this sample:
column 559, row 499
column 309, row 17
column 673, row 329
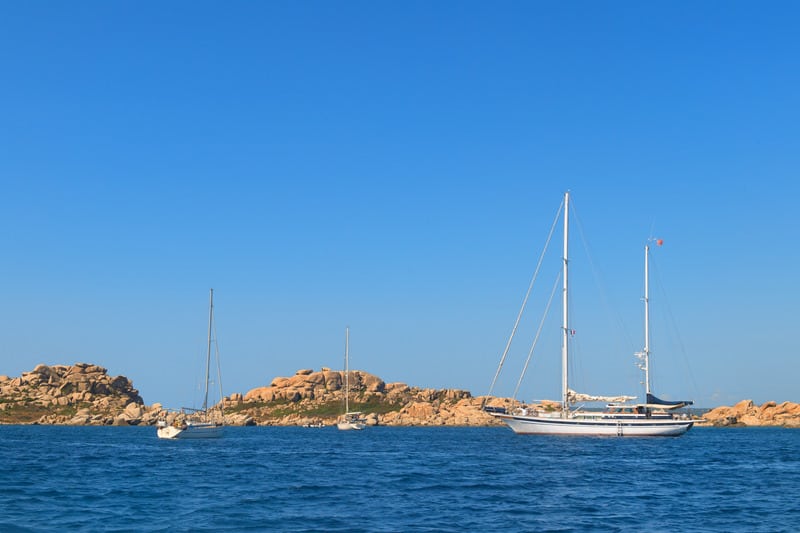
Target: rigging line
column 219, row 368
column 598, row 279
column 673, row 323
column 538, row 332
column 525, row 300
column 198, row 370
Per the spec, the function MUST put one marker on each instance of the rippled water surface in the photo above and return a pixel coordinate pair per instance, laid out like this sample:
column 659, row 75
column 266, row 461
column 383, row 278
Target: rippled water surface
column 396, row 479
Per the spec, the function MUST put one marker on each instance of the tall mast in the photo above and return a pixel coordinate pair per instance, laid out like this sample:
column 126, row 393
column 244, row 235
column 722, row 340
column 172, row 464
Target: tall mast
column 208, row 352
column 347, row 369
column 565, row 323
column 646, row 351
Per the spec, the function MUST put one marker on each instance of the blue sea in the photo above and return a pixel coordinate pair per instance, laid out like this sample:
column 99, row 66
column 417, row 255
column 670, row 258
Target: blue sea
column 397, row 479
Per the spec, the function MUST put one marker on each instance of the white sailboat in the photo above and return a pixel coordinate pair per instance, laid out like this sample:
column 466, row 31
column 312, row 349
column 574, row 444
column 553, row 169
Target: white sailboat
column 204, row 423
column 620, row 418
column 349, row 420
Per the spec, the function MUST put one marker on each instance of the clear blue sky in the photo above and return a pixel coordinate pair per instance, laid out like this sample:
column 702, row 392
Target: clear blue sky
column 395, row 167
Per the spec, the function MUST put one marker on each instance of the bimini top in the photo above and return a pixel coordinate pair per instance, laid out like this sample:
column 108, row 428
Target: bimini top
column 653, row 401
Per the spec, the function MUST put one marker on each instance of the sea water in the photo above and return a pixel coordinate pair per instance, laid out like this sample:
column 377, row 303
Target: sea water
column 397, row 479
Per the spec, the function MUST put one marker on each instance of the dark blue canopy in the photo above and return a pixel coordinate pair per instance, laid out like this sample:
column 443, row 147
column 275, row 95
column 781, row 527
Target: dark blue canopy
column 652, row 400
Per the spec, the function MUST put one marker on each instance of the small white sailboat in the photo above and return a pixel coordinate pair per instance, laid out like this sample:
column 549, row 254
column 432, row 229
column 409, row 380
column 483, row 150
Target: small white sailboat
column 203, row 423
column 349, row 420
column 620, row 418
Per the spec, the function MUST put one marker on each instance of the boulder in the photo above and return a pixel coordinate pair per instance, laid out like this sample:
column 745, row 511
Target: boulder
column 374, row 383
column 121, row 383
column 293, row 396
column 333, row 380
column 133, row 410
column 397, row 387
column 261, row 394
column 44, row 370
column 98, row 387
column 419, row 410
column 315, row 378
column 296, row 381
column 279, row 382
column 94, row 369
column 79, row 420
column 239, row 419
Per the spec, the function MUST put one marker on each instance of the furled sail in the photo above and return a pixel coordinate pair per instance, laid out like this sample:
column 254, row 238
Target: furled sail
column 573, row 396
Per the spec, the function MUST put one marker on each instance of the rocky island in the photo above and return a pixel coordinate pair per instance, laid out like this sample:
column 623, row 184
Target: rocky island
column 746, row 413
column 84, row 394
column 79, row 394
column 311, row 397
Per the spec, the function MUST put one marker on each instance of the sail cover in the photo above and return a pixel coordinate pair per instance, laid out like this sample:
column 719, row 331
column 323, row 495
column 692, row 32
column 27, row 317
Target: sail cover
column 652, row 400
column 573, row 396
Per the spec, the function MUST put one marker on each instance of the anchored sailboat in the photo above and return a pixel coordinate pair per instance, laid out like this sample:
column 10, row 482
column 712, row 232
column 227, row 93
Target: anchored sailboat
column 621, row 418
column 349, row 420
column 201, row 423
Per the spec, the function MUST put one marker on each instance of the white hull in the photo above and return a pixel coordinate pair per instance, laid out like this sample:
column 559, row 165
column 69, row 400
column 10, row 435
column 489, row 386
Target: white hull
column 191, row 431
column 349, row 426
column 597, row 426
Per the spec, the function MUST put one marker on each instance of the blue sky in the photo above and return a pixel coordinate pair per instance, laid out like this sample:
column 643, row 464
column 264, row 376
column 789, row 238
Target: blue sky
column 396, row 168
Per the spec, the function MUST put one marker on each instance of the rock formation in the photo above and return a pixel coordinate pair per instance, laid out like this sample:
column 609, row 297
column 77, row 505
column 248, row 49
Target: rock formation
column 84, row 394
column 59, row 394
column 746, row 413
column 311, row 397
